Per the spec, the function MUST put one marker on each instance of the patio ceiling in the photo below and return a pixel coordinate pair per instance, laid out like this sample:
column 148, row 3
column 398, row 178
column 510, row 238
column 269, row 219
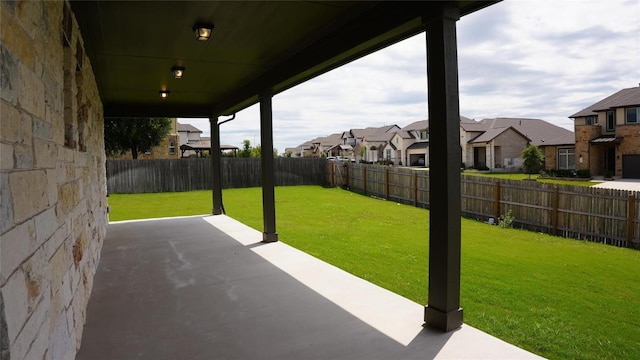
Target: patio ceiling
column 255, row 46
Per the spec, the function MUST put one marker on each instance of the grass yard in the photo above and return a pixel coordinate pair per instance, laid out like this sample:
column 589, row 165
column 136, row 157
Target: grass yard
column 521, row 176
column 559, row 298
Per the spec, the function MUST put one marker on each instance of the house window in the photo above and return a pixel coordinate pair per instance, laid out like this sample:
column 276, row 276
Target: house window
column 172, row 147
column 424, row 135
column 632, row 115
column 611, row 120
column 387, row 154
column 591, row 120
column 566, row 159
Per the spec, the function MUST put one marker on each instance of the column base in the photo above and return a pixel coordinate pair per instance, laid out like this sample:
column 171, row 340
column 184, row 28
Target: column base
column 269, row 237
column 443, row 321
column 217, row 212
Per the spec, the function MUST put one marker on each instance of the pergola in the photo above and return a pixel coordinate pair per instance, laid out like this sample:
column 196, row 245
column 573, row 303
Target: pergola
column 259, row 49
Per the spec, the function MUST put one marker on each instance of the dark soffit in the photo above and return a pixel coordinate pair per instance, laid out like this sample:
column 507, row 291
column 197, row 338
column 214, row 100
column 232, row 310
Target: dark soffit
column 255, row 46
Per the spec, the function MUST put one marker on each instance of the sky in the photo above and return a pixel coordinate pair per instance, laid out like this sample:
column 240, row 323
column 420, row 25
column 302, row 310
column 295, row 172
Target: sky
column 544, row 59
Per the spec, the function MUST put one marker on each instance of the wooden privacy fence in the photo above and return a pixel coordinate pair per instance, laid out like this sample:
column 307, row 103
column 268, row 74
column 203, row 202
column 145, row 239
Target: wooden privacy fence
column 170, row 175
column 599, row 215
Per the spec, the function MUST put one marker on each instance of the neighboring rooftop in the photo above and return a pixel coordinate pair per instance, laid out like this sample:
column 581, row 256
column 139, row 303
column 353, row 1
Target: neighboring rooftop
column 188, row 128
column 540, row 132
column 623, row 98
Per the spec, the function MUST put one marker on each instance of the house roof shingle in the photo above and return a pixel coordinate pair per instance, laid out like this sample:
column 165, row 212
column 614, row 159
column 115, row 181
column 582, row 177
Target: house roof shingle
column 188, row 128
column 624, row 97
column 539, row 132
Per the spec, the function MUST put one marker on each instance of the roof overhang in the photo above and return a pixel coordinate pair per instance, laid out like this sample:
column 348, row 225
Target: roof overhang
column 607, row 139
column 256, row 47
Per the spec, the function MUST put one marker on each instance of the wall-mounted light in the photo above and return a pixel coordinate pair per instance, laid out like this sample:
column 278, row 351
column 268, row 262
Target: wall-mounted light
column 164, row 94
column 580, row 159
column 203, row 31
column 178, row 72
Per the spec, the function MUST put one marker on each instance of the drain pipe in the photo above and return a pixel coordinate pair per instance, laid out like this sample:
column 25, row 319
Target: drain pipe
column 218, row 174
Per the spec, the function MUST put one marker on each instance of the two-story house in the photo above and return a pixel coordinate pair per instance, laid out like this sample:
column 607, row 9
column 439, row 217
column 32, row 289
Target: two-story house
column 366, row 143
column 607, row 135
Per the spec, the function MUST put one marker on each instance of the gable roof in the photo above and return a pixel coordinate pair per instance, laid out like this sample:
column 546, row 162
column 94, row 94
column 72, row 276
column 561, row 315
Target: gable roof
column 188, row 128
column 623, row 98
column 417, row 125
column 330, row 140
column 372, row 131
column 491, row 134
column 539, row 132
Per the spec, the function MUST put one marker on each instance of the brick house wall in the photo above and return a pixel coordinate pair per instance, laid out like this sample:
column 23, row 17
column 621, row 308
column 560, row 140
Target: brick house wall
column 53, row 209
column 629, row 145
column 591, row 160
column 511, row 146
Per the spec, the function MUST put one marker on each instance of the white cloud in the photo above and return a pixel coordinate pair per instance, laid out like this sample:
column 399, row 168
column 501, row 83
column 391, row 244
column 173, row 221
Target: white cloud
column 542, row 59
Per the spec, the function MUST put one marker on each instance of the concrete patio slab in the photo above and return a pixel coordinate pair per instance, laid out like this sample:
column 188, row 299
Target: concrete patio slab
column 207, row 288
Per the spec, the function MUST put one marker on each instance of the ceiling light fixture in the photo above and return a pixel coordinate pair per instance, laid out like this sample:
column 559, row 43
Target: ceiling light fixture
column 203, row 31
column 164, row 94
column 178, row 72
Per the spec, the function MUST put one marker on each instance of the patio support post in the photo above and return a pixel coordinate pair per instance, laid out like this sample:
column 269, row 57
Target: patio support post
column 267, row 171
column 216, row 167
column 443, row 311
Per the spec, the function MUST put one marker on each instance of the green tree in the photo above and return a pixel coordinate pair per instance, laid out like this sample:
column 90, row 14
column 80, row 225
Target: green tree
column 135, row 134
column 532, row 160
column 246, row 149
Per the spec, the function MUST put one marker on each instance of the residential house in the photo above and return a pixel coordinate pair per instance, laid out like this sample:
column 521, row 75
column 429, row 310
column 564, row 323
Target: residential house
column 303, row 150
column 357, row 139
column 608, row 135
column 498, row 143
column 322, row 145
column 167, row 149
column 417, row 153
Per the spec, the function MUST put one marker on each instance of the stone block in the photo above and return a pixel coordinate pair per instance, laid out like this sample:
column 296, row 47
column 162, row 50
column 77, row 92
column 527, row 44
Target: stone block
column 6, row 208
column 46, row 225
column 17, row 245
column 8, row 73
column 11, row 124
column 23, row 156
column 42, row 129
column 6, row 156
column 52, row 186
column 59, row 338
column 14, row 294
column 68, row 196
column 60, row 264
column 35, row 327
column 46, row 154
column 28, row 193
column 56, row 240
column 30, row 92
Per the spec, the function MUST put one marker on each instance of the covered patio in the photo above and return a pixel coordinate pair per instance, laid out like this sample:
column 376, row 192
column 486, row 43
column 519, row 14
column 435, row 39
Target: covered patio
column 207, row 287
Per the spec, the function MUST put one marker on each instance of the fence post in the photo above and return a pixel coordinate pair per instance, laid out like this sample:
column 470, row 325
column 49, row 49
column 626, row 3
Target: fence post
column 364, row 178
column 630, row 216
column 331, row 179
column 554, row 211
column 386, row 183
column 497, row 200
column 415, row 188
column 347, row 175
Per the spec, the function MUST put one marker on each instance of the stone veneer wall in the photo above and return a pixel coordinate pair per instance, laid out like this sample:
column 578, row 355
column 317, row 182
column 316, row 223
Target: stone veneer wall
column 52, row 181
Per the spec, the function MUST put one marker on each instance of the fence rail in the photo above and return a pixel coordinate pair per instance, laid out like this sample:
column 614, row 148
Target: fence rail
column 593, row 214
column 170, row 175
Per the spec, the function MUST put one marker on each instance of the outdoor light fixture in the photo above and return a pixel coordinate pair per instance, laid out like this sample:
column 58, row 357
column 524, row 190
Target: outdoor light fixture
column 203, row 31
column 178, row 72
column 164, row 94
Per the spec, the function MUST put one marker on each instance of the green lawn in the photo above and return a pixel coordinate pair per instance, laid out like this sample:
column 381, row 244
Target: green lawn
column 521, row 176
column 559, row 298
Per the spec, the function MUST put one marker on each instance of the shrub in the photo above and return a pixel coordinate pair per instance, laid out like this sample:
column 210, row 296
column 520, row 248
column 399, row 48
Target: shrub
column 506, row 220
column 586, row 173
